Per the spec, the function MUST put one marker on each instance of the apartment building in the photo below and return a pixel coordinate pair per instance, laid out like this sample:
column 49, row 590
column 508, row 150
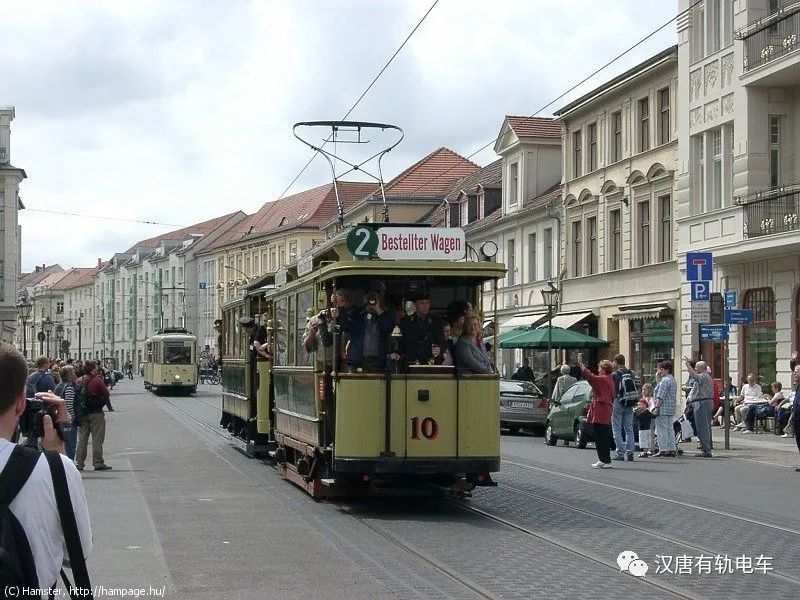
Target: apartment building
column 737, row 190
column 620, row 276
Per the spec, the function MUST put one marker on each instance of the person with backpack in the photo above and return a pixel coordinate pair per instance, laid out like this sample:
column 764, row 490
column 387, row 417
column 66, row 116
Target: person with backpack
column 627, row 397
column 92, row 395
column 40, row 380
column 42, row 501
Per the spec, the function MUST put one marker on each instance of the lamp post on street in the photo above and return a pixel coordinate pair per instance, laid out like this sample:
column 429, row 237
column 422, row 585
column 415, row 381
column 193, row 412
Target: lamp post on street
column 60, row 340
column 550, row 297
column 24, row 307
column 47, row 328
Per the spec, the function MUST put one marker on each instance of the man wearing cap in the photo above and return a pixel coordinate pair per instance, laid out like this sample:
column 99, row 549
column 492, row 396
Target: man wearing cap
column 257, row 338
column 368, row 329
column 423, row 334
column 220, row 349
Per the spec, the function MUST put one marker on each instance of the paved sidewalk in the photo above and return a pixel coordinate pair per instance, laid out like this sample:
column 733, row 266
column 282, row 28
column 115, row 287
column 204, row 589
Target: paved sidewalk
column 763, row 447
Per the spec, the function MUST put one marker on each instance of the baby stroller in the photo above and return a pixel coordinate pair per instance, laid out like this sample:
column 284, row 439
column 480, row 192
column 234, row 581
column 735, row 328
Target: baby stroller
column 684, row 431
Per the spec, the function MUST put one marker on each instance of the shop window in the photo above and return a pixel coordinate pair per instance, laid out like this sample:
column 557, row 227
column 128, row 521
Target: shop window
column 652, row 340
column 759, row 343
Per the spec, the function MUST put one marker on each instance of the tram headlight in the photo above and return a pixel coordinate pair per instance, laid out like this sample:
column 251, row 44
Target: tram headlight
column 177, row 377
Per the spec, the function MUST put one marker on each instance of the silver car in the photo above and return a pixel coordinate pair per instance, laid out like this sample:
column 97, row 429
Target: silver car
column 522, row 404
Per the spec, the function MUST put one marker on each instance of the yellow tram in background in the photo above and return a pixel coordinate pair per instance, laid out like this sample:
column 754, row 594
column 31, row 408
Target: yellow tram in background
column 171, row 361
column 330, row 430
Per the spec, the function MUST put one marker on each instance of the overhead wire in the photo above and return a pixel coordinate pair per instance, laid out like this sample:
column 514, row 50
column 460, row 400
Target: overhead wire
column 103, row 217
column 571, row 89
column 361, row 97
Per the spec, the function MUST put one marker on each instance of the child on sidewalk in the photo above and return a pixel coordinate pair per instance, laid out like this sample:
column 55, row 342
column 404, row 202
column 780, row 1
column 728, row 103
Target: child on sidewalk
column 646, row 421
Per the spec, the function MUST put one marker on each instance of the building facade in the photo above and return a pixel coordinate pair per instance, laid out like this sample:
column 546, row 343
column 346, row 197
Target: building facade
column 10, row 237
column 619, row 229
column 737, row 190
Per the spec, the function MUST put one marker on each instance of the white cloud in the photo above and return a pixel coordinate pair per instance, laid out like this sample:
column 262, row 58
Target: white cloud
column 180, row 111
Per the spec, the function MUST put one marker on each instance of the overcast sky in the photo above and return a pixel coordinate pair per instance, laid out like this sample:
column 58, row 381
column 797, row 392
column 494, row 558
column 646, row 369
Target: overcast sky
column 177, row 112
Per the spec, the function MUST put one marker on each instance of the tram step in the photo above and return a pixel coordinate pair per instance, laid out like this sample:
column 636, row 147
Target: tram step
column 272, row 453
column 329, row 482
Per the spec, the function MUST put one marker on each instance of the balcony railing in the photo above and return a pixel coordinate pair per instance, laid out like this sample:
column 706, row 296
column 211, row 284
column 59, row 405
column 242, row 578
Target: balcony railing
column 771, row 37
column 767, row 212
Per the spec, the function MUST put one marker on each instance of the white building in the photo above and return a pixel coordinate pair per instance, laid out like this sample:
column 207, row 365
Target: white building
column 618, row 229
column 10, row 245
column 736, row 184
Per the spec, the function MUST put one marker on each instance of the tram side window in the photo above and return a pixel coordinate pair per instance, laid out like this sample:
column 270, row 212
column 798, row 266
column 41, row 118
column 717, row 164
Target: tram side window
column 175, row 353
column 281, row 331
column 305, row 301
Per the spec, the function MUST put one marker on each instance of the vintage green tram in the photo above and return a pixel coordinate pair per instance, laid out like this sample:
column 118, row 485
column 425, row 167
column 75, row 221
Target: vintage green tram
column 331, row 430
column 171, row 361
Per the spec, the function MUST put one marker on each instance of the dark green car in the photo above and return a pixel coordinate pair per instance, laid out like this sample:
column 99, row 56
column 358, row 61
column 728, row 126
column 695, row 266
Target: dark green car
column 567, row 415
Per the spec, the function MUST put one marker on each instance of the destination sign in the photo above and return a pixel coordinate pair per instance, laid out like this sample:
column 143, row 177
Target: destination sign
column 421, row 243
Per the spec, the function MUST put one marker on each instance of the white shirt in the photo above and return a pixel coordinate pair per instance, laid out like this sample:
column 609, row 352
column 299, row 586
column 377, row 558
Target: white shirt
column 36, row 510
column 752, row 394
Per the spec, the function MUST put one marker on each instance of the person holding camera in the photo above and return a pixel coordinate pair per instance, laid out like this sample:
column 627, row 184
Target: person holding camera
column 368, row 329
column 27, row 484
column 423, row 334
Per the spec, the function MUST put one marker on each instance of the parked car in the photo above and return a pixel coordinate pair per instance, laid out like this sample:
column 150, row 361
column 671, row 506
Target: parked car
column 522, row 404
column 567, row 416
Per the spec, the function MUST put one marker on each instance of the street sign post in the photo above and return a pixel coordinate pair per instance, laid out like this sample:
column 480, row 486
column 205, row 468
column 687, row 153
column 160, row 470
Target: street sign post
column 699, row 266
column 701, row 312
column 713, row 333
column 730, row 299
column 744, row 316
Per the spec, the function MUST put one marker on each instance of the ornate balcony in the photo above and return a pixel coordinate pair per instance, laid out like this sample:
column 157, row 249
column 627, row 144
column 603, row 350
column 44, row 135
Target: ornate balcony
column 771, row 37
column 772, row 211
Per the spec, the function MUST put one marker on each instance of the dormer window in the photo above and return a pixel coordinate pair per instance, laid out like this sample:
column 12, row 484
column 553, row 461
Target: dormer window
column 513, row 184
column 463, row 208
column 452, row 214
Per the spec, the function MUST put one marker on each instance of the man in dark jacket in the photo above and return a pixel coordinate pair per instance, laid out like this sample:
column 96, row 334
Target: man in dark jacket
column 423, row 333
column 40, row 380
column 368, row 329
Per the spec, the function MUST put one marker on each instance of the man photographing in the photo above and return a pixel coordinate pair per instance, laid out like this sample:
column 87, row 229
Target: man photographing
column 26, row 482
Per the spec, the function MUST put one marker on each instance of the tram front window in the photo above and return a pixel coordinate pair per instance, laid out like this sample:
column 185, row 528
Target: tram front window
column 177, row 354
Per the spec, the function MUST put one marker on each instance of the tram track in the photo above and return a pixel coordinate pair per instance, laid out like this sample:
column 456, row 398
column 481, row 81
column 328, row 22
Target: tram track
column 782, row 576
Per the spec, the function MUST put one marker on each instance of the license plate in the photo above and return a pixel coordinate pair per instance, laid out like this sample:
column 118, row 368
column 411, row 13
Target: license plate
column 518, row 404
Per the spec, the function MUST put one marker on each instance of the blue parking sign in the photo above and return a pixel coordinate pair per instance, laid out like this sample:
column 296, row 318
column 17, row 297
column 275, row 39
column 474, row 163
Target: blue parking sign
column 699, row 266
column 701, row 291
column 730, row 299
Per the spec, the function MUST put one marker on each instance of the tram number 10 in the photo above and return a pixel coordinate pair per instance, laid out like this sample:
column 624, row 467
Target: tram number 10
column 426, row 427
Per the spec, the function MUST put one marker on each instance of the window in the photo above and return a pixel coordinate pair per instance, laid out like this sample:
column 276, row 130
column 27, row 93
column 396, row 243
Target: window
column 716, row 25
column 462, row 208
column 644, row 233
column 774, row 150
column 591, row 225
column 472, row 208
column 663, row 116
column 510, row 263
column 616, row 123
column 513, row 180
column 59, row 308
column 548, row 254
column 716, row 193
column 700, row 50
column 576, row 154
column 576, row 249
column 593, row 147
column 665, row 235
column 531, row 257
column 452, row 214
column 699, row 174
column 644, row 124
column 760, row 345
column 615, row 219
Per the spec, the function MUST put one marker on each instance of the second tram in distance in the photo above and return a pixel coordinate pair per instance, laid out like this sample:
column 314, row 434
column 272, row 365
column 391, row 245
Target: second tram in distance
column 171, row 361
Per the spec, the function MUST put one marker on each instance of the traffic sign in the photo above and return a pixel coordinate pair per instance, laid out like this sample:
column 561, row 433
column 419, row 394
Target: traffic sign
column 204, row 354
column 701, row 290
column 730, row 299
column 713, row 333
column 740, row 317
column 701, row 311
column 699, row 266
column 202, row 285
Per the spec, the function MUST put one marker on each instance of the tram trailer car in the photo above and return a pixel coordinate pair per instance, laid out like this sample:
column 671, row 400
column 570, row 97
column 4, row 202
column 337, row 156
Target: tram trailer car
column 171, row 361
column 415, row 426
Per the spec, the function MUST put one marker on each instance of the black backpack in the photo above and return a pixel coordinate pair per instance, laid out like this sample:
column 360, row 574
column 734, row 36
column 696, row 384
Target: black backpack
column 85, row 402
column 32, row 384
column 17, row 568
column 627, row 392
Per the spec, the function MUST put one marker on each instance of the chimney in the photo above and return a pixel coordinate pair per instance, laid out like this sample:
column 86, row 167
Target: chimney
column 99, row 261
column 38, row 268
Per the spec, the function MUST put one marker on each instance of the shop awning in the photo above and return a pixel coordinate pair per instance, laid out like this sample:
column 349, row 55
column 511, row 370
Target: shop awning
column 565, row 321
column 641, row 311
column 560, row 338
column 522, row 321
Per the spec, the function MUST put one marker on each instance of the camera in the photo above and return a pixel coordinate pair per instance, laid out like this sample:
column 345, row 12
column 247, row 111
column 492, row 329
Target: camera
column 31, row 423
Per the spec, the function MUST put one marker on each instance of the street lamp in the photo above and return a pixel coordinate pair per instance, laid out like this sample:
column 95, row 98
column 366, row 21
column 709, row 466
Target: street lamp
column 550, row 298
column 47, row 328
column 24, row 307
column 60, row 340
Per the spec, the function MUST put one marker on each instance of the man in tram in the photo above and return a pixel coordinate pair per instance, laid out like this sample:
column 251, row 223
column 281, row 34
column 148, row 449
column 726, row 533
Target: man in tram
column 368, row 329
column 257, row 338
column 423, row 333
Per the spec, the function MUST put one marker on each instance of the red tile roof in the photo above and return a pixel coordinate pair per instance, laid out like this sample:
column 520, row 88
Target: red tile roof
column 488, row 176
column 76, row 277
column 34, row 277
column 310, row 208
column 535, row 127
column 203, row 228
column 432, row 177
